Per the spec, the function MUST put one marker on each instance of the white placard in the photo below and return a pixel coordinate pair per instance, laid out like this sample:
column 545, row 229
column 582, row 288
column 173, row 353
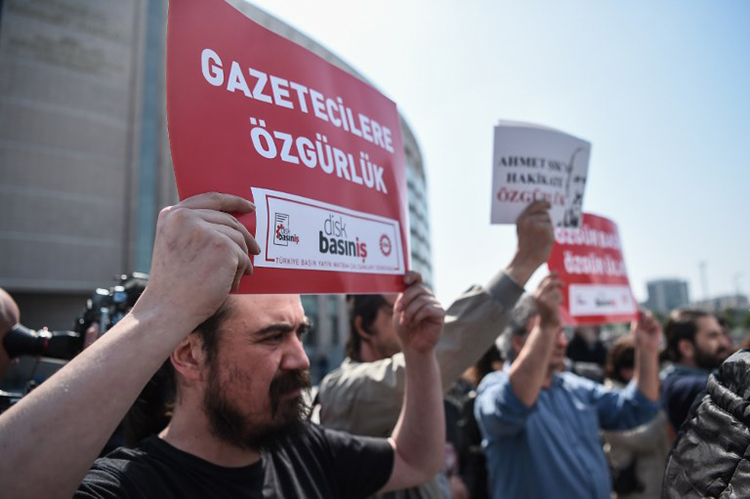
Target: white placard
column 533, row 162
column 300, row 233
column 601, row 299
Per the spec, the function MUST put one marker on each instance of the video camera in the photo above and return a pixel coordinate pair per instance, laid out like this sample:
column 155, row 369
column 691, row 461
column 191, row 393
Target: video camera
column 106, row 307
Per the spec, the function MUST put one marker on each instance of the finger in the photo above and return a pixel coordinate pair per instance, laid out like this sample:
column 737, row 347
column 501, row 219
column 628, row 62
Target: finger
column 232, row 234
column 644, row 321
column 412, row 277
column 557, row 283
column 239, row 238
column 553, row 285
column 411, row 293
column 542, row 217
column 244, row 267
column 634, row 326
column 218, row 217
column 549, row 283
column 553, row 298
column 247, row 265
column 244, row 264
column 432, row 312
column 397, row 304
column 535, row 207
column 219, row 202
column 416, row 305
column 546, row 279
column 543, row 285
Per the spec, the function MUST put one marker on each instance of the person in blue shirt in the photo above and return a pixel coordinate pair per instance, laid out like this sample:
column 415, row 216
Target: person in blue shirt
column 540, row 425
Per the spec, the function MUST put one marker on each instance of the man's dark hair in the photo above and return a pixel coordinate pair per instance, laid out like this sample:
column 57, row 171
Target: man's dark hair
column 682, row 325
column 485, row 365
column 620, row 356
column 152, row 410
column 366, row 307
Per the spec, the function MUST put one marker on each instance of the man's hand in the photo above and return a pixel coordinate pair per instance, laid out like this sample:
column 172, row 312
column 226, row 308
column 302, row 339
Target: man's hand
column 531, row 369
column 647, row 332
column 418, row 316
column 201, row 252
column 418, row 439
column 536, row 236
column 548, row 298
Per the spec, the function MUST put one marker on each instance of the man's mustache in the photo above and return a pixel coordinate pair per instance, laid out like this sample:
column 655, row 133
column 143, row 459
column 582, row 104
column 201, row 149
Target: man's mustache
column 287, row 382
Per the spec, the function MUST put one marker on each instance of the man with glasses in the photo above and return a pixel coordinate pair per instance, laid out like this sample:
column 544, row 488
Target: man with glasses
column 541, row 425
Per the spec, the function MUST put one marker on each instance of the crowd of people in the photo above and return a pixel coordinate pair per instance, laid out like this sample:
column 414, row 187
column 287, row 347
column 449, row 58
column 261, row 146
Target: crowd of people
column 489, row 397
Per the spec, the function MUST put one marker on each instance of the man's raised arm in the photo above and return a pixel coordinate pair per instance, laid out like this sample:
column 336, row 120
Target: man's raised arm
column 647, row 333
column 419, row 436
column 478, row 317
column 472, row 324
column 531, row 369
column 49, row 440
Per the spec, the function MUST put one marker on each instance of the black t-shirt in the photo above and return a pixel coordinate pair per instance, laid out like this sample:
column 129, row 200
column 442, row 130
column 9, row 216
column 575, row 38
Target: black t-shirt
column 316, row 463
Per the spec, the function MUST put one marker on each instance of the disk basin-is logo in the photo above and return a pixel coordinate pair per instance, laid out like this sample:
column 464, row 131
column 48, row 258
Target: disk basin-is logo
column 282, row 234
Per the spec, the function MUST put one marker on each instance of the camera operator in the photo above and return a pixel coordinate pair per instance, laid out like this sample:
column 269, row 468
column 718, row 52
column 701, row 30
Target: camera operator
column 102, row 311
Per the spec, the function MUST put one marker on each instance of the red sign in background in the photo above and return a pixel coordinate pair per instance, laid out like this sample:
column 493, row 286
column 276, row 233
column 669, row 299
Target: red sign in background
column 212, row 49
column 589, row 260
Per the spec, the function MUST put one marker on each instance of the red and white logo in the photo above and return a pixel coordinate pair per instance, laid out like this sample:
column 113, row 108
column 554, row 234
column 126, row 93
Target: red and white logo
column 385, row 245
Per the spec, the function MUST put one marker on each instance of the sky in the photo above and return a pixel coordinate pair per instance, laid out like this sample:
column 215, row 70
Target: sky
column 660, row 89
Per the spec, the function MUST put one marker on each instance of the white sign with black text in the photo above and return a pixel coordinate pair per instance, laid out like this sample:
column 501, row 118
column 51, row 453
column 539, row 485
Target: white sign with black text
column 532, row 162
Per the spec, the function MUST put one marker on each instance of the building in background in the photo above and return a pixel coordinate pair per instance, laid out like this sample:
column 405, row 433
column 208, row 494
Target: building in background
column 84, row 156
column 665, row 295
column 719, row 304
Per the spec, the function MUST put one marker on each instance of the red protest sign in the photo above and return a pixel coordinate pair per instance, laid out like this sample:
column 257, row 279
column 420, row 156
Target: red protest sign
column 589, row 260
column 319, row 152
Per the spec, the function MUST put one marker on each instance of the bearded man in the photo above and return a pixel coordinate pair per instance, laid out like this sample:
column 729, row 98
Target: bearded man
column 236, row 427
column 697, row 345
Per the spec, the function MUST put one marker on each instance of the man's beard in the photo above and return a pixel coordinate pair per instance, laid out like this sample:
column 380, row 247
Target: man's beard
column 389, row 349
column 229, row 424
column 709, row 361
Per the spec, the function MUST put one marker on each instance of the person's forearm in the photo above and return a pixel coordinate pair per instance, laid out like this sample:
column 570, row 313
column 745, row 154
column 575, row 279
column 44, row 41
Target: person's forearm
column 529, row 371
column 419, row 435
column 472, row 324
column 521, row 268
column 647, row 373
column 49, row 440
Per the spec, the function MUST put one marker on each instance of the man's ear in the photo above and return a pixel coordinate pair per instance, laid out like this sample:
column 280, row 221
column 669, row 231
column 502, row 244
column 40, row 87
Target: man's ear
column 686, row 349
column 189, row 358
column 360, row 330
column 517, row 341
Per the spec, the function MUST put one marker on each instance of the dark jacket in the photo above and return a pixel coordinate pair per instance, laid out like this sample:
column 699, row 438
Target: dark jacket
column 711, row 457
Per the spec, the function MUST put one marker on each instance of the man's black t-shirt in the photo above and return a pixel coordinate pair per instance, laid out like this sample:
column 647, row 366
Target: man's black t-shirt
column 316, row 463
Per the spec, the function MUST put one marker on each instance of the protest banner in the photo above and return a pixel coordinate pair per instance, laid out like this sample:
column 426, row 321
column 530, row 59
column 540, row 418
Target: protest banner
column 533, row 162
column 318, row 151
column 589, row 260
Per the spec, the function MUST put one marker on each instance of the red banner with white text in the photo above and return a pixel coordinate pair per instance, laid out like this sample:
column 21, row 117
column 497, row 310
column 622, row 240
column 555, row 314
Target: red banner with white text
column 318, row 151
column 590, row 262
